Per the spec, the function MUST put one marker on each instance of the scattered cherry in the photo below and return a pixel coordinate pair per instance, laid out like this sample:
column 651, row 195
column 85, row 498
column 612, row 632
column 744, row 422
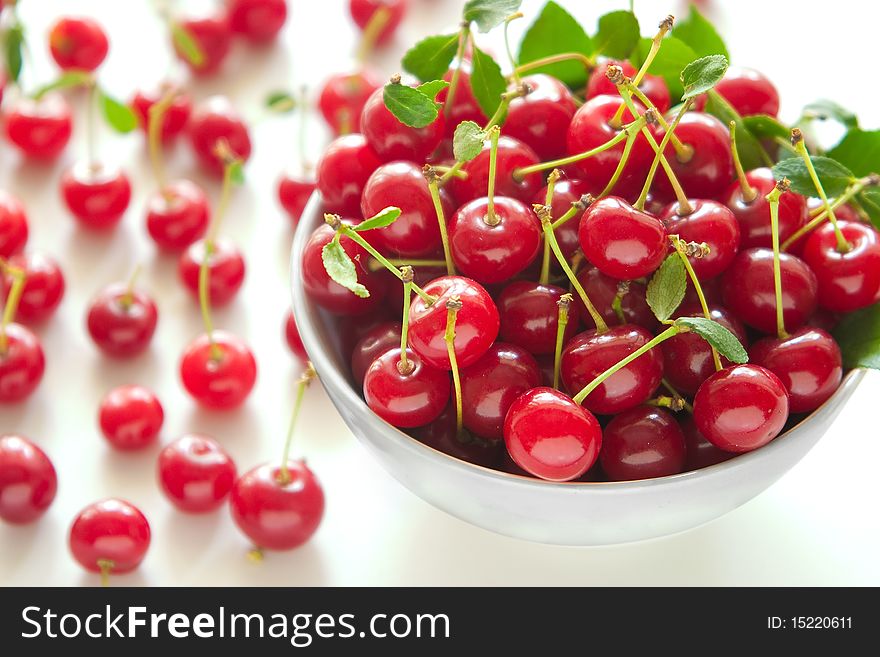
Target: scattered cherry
column 27, row 480
column 13, row 225
column 130, row 417
column 110, row 536
column 121, row 321
column 97, row 195
column 294, row 192
column 226, row 269
column 213, row 121
column 78, row 43
column 258, row 21
column 294, row 341
column 21, row 364
column 175, row 118
column 177, row 215
column 43, row 286
column 196, row 474
column 363, row 10
column 219, row 381
column 213, row 36
column 40, row 128
column 642, row 443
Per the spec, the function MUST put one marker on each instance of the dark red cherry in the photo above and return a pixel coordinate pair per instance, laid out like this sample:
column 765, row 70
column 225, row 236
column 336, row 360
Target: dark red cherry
column 476, row 325
column 274, row 513
column 566, row 192
column 226, row 270
column 540, row 118
column 294, row 192
column 530, row 316
column 294, row 341
column 363, row 10
column 196, row 474
column 376, row 342
column 78, row 43
column 808, row 363
column 748, row 290
column 13, row 225
column 642, row 443
column 174, row 119
column 27, row 480
column 405, row 398
column 464, row 104
column 620, row 241
column 494, row 253
column 392, row 140
column 177, row 215
column 512, row 155
column 590, row 353
column 130, row 417
column 442, row 435
column 213, row 121
column 218, row 380
column 710, row 223
column 741, row 408
column 39, row 128
column 700, row 452
column 847, row 281
column 122, row 321
column 602, row 290
column 343, row 97
column 21, row 364
column 43, row 286
column 754, row 216
column 653, row 86
column 343, row 171
column 111, row 536
column 550, row 436
column 97, row 195
column 213, row 36
column 749, row 92
column 259, row 21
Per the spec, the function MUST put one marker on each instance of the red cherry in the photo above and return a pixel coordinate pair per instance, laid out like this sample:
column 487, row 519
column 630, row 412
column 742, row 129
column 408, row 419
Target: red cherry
column 621, row 241
column 375, row 343
column 343, row 97
column 530, row 316
column 40, row 128
column 700, row 452
column 753, row 216
column 405, row 400
column 43, row 286
column 130, row 417
column 78, row 43
column 540, row 118
column 847, row 281
column 602, row 290
column 177, row 215
column 294, row 341
column 476, row 324
column 226, row 270
column 464, row 104
column 808, row 363
column 213, row 121
column 748, row 92
column 550, row 436
column 213, row 36
column 110, row 534
column 27, row 480
column 196, row 474
column 362, row 11
column 97, row 195
column 512, row 155
column 174, row 119
column 566, row 192
column 273, row 514
column 21, row 364
column 642, row 443
column 392, row 140
column 710, row 223
column 494, row 253
column 741, row 408
column 748, row 291
column 223, row 382
column 294, row 192
column 258, row 21
column 13, row 225
column 590, row 353
column 653, row 86
column 442, row 435
column 122, row 321
column 343, row 171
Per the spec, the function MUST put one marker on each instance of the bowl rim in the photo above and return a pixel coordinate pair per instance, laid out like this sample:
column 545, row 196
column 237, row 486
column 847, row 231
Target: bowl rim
column 331, row 377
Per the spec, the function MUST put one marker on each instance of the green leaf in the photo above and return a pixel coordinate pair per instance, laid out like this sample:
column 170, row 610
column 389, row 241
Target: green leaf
column 671, row 59
column 410, row 106
column 341, row 269
column 65, row 81
column 487, row 82
column 186, row 43
column 236, row 172
column 751, row 153
column 618, row 34
column 828, row 110
column 280, row 102
column 118, row 115
column 702, row 74
column 727, row 344
column 432, row 88
column 858, row 335
column 700, row 35
column 489, row 13
column 764, row 126
column 430, row 58
column 667, row 287
column 385, row 217
column 860, row 151
column 870, row 202
column 468, row 141
column 12, row 45
column 553, row 33
column 835, row 177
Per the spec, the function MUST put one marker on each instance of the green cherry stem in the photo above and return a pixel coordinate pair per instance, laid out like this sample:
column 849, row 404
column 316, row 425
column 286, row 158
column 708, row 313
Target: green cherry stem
column 442, row 169
column 371, row 33
column 677, row 395
column 91, row 128
column 491, row 218
column 577, row 207
column 685, row 249
column 683, row 151
column 507, row 22
column 18, row 275
column 307, row 376
column 463, row 38
column 375, row 265
column 587, row 62
column 405, row 366
column 643, row 196
column 453, row 305
column 105, row 567
column 675, row 404
column 749, row 193
column 128, row 298
column 617, row 303
column 433, row 180
column 552, row 179
column 773, row 201
column 154, row 135
column 564, row 304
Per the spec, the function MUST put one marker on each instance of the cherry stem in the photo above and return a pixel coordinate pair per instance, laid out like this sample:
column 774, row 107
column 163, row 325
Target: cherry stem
column 675, row 404
column 564, row 305
column 463, row 37
column 588, row 63
column 552, row 179
column 18, row 278
column 154, row 135
column 683, row 151
column 128, row 298
column 106, row 567
column 544, row 215
column 646, row 188
column 749, row 193
column 577, row 207
column 507, row 22
column 773, row 200
column 618, row 171
column 371, row 33
column 302, row 384
column 452, row 171
column 434, row 188
column 405, row 366
column 91, row 129
column 617, row 302
column 453, row 305
column 595, row 383
column 301, row 136
column 681, row 248
column 491, row 218
column 677, row 395
column 851, row 191
column 375, row 265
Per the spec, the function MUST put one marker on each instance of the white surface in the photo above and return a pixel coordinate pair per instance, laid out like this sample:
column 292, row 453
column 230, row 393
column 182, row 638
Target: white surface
column 818, row 525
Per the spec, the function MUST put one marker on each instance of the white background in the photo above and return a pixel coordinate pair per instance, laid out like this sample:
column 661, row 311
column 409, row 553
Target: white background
column 818, row 525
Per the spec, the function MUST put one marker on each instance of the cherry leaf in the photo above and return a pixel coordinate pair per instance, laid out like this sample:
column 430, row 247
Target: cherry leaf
column 702, row 74
column 672, row 57
column 487, row 82
column 13, row 42
column 341, row 269
column 859, row 151
column 667, row 287
column 858, row 335
column 618, row 34
column 187, row 45
column 727, row 344
column 432, row 88
column 280, row 102
column 835, row 177
column 751, row 153
column 468, row 141
column 764, row 126
column 385, row 217
column 117, row 114
column 409, row 105
column 869, row 199
column 700, row 35
column 489, row 13
column 430, row 58
column 828, row 110
column 556, row 32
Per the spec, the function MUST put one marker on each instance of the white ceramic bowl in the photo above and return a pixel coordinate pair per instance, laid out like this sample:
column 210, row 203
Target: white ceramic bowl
column 561, row 514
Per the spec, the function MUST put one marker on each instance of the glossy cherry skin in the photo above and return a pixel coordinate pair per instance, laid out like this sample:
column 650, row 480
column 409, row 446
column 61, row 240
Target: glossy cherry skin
column 464, row 104
column 540, row 118
column 343, row 171
column 40, row 128
column 174, row 119
column 21, row 364
column 416, row 233
column 43, row 286
column 847, row 281
column 748, row 92
column 27, row 480
column 97, row 196
column 492, row 384
column 565, row 192
column 405, row 400
column 78, row 43
column 277, row 515
column 512, row 155
column 753, row 216
column 653, row 86
column 213, row 35
column 591, row 353
column 550, row 436
column 496, row 253
column 329, row 294
column 642, row 443
column 476, row 325
column 711, row 223
column 196, row 474
column 112, row 531
column 178, row 215
column 376, row 342
column 121, row 322
column 602, row 290
column 294, row 192
column 362, row 11
column 392, row 140
column 530, row 316
column 213, row 121
column 294, row 341
column 218, row 383
column 130, row 417
column 259, row 21
column 343, row 97
column 620, row 241
column 748, row 291
column 808, row 362
column 226, row 270
column 700, row 452
column 741, row 408
column 13, row 225
column 442, row 435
